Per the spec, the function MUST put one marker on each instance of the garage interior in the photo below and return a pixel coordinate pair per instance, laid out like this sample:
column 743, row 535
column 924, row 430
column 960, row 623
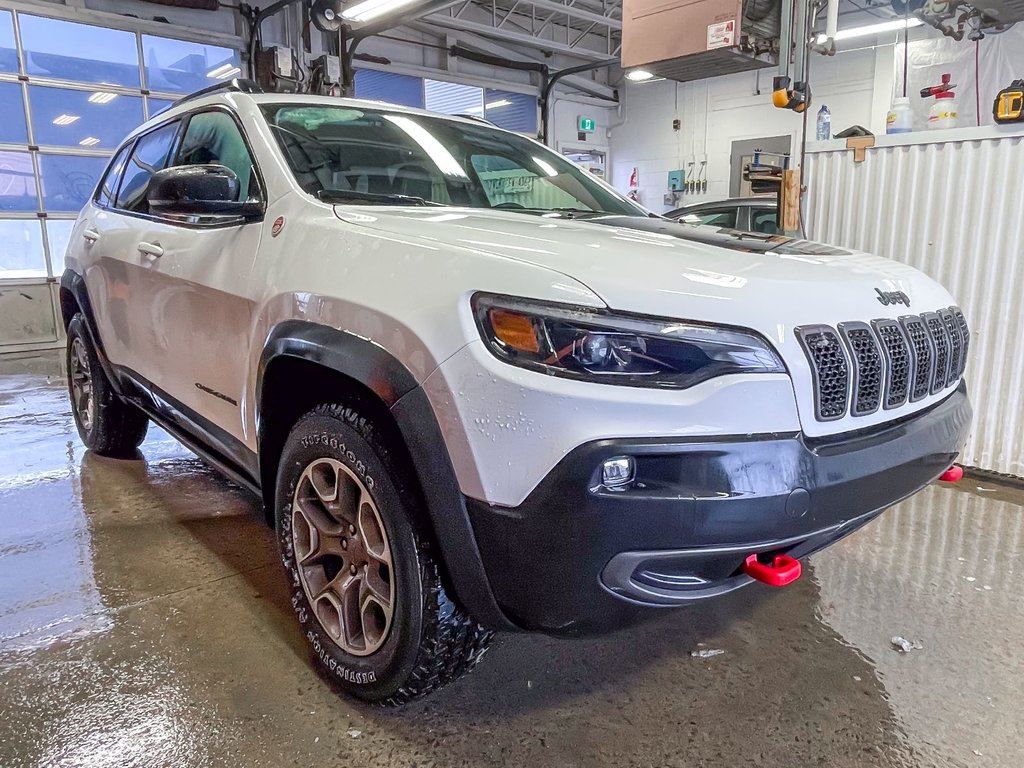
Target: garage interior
column 144, row 619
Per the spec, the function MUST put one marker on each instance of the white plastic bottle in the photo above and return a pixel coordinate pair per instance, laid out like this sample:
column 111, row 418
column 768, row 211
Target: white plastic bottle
column 945, row 113
column 901, row 116
column 823, row 131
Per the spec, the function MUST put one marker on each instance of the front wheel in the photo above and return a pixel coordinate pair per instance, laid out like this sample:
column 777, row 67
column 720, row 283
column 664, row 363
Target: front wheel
column 365, row 586
column 107, row 424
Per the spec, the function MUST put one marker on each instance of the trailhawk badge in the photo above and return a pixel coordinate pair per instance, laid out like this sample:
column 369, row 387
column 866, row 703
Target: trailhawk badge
column 885, row 298
column 279, row 225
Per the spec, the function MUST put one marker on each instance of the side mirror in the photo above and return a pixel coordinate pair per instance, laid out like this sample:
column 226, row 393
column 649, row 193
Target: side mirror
column 198, row 190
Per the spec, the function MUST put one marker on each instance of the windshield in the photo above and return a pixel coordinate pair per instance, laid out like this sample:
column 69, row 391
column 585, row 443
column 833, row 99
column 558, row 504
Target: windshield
column 378, row 157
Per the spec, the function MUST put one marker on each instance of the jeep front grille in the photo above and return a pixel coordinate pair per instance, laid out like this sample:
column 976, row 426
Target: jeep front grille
column 885, row 363
column 829, row 368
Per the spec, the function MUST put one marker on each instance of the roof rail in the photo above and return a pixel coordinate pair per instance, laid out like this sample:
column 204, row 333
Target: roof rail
column 238, row 85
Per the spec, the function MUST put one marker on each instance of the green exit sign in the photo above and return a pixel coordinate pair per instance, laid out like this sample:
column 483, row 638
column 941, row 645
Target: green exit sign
column 586, row 124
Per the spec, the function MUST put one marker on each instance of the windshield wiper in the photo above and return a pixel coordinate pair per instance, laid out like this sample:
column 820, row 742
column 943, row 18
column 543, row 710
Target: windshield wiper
column 570, row 213
column 333, row 195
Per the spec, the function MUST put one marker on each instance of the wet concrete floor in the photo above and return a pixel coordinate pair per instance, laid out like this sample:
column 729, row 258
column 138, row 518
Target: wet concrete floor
column 143, row 622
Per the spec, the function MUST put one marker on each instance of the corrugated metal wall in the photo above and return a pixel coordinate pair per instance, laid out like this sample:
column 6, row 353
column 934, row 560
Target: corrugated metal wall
column 954, row 210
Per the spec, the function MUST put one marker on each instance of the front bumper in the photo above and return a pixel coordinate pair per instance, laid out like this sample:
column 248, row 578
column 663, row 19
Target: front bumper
column 576, row 556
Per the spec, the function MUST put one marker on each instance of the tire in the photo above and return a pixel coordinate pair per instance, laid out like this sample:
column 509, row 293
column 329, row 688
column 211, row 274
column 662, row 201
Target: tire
column 107, row 424
column 371, row 601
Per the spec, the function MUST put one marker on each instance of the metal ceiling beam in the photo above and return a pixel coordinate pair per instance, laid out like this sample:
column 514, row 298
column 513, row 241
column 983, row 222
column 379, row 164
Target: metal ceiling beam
column 519, row 38
column 576, row 12
column 484, row 45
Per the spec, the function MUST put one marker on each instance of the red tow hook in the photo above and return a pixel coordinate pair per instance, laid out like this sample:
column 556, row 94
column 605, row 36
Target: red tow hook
column 952, row 475
column 782, row 570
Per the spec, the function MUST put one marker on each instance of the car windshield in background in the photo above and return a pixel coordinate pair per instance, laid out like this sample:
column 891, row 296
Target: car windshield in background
column 377, row 157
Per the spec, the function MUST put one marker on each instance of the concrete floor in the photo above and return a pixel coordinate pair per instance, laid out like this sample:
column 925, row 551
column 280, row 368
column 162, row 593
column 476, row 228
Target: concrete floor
column 143, row 621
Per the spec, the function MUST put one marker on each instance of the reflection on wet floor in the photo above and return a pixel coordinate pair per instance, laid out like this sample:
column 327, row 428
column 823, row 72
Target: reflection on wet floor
column 143, row 621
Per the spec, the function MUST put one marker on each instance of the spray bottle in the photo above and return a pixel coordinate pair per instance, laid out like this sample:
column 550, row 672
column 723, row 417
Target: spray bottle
column 945, row 113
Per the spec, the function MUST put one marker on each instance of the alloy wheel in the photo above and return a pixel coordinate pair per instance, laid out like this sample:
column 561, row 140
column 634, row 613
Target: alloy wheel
column 343, row 556
column 81, row 383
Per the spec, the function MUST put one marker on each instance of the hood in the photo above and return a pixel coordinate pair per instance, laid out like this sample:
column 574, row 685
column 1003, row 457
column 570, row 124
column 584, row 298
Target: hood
column 667, row 269
column 681, row 271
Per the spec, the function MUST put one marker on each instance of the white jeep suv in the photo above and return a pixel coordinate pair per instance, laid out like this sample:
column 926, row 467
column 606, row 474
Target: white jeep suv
column 480, row 390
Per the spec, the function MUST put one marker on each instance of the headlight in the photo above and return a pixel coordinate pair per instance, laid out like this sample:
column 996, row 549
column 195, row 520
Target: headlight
column 616, row 348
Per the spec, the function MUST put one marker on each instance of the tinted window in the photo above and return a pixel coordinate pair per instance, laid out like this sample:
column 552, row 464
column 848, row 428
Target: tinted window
column 8, row 53
column 12, row 127
column 389, row 86
column 764, row 220
column 17, row 182
column 214, row 137
column 108, row 189
column 64, row 117
column 83, row 52
column 180, row 66
column 723, row 218
column 68, row 181
column 150, row 155
column 21, row 249
column 511, row 111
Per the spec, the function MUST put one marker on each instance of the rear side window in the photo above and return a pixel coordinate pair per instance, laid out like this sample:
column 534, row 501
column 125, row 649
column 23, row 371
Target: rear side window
column 214, row 137
column 764, row 220
column 150, row 155
column 108, row 187
column 721, row 218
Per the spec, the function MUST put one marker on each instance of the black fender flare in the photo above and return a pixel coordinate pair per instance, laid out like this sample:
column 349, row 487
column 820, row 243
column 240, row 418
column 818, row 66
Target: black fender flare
column 390, row 381
column 74, row 284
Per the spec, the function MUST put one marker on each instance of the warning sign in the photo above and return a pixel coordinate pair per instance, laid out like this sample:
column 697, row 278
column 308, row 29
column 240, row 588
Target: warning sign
column 721, row 35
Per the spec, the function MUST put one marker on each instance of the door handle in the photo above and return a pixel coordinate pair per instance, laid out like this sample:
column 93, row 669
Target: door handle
column 91, row 235
column 151, row 249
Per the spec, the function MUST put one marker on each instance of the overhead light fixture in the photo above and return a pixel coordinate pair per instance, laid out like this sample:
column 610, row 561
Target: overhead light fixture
column 224, row 71
column 897, row 25
column 639, row 75
column 102, row 97
column 372, row 9
column 65, row 119
column 89, row 141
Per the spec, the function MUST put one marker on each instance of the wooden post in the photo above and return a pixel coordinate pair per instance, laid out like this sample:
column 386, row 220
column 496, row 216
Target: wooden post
column 789, row 204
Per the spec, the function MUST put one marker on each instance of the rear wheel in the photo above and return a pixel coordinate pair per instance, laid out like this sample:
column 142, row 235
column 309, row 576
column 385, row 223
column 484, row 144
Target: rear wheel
column 365, row 585
column 107, row 424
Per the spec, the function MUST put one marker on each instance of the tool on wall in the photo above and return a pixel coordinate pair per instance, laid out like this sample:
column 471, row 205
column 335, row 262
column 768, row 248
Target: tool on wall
column 1009, row 104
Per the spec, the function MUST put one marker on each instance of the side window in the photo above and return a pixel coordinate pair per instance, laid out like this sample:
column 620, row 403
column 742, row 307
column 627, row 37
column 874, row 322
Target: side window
column 149, row 156
column 724, row 218
column 764, row 220
column 214, row 137
column 108, row 187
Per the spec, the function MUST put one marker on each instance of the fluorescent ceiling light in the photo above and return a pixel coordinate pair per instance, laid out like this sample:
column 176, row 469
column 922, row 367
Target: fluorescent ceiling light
column 896, row 25
column 102, row 97
column 371, row 9
column 224, row 71
column 65, row 119
column 442, row 158
column 639, row 75
column 89, row 141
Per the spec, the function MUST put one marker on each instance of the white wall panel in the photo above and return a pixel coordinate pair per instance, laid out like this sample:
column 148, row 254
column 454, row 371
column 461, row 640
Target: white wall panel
column 952, row 210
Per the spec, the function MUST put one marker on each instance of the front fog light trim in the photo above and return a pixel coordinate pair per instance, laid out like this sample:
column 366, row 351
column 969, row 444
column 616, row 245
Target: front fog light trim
column 618, row 472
